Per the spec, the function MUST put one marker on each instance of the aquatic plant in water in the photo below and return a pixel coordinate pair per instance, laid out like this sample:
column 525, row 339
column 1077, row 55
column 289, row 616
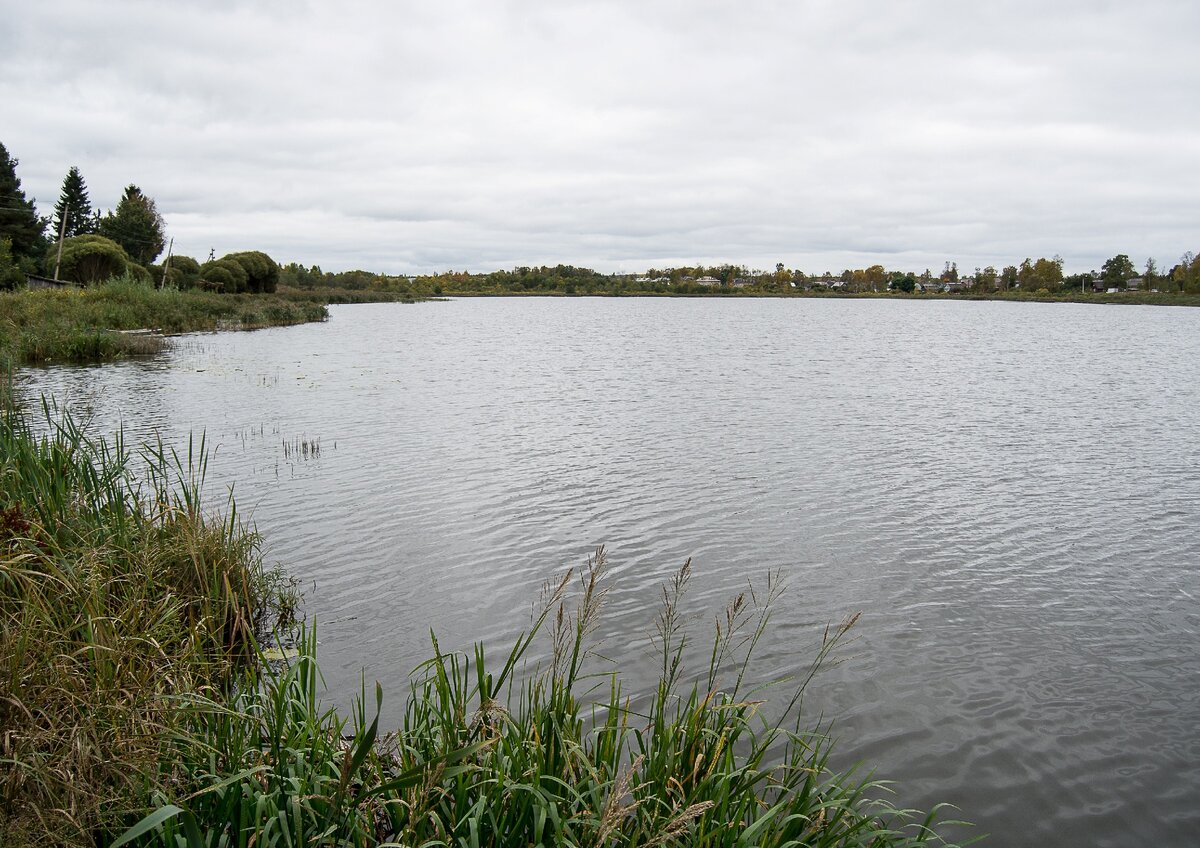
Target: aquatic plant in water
column 557, row 754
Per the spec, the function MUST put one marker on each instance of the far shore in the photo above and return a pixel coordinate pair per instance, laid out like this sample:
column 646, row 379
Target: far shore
column 1129, row 298
column 94, row 324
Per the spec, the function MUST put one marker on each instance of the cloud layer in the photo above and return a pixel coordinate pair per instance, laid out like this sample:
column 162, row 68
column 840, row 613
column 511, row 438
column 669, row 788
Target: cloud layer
column 408, row 137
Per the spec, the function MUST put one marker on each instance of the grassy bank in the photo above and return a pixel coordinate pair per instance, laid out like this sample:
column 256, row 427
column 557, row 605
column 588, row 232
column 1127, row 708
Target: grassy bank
column 84, row 325
column 137, row 708
column 116, row 594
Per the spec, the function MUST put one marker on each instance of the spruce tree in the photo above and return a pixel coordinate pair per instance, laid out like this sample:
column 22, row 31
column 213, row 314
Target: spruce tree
column 136, row 226
column 74, row 197
column 19, row 221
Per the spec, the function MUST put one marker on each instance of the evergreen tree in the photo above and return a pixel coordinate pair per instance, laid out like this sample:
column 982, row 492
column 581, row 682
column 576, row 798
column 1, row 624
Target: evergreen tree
column 19, row 221
column 11, row 275
column 136, row 226
column 74, row 197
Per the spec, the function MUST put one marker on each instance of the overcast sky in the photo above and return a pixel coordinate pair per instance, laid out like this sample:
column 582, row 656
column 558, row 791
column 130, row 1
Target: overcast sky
column 422, row 136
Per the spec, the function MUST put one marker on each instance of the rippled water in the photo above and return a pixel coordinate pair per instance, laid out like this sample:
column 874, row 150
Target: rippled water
column 1010, row 493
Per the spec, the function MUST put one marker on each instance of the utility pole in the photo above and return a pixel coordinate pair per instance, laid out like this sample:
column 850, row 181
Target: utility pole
column 167, row 264
column 62, row 229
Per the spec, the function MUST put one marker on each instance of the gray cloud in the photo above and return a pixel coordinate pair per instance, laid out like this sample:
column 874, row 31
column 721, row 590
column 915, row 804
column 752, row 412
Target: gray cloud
column 411, row 137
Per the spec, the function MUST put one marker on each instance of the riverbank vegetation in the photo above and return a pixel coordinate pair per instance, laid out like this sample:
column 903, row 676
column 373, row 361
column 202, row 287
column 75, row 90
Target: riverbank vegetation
column 139, row 709
column 100, row 295
column 90, row 324
column 337, row 294
column 84, row 246
column 493, row 754
column 117, row 593
column 356, row 286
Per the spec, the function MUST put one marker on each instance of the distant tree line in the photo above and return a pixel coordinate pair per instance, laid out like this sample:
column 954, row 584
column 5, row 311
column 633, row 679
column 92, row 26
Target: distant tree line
column 1041, row 275
column 571, row 279
column 298, row 276
column 567, row 279
column 80, row 244
column 130, row 239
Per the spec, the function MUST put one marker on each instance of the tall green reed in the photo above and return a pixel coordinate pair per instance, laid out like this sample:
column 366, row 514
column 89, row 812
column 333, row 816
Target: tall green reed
column 513, row 754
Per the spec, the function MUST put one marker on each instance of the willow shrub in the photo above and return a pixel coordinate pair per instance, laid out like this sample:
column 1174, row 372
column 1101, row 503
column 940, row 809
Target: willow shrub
column 507, row 755
column 116, row 594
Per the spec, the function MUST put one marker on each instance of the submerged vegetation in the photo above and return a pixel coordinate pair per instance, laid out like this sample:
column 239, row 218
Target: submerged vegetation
column 139, row 709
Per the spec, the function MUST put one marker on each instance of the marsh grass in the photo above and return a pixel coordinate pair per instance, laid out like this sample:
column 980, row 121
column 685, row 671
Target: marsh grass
column 83, row 325
column 499, row 754
column 116, row 593
column 302, row 448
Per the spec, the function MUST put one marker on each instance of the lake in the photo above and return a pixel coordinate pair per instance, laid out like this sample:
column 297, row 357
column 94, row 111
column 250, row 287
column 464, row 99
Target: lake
column 1008, row 492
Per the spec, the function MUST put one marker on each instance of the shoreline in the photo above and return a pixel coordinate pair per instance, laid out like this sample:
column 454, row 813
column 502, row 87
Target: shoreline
column 209, row 728
column 1118, row 299
column 106, row 323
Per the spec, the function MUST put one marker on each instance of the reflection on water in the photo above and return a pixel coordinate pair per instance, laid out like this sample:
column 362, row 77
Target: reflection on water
column 1009, row 492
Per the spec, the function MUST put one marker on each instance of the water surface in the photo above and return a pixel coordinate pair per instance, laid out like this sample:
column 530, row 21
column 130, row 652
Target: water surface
column 1008, row 492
